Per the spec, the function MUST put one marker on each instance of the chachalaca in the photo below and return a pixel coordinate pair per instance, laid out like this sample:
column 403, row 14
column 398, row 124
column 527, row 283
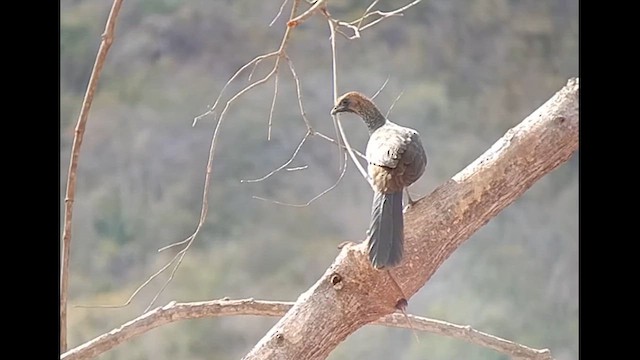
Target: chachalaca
column 396, row 160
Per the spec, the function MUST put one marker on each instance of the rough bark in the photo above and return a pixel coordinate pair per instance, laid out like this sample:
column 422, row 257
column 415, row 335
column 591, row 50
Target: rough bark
column 351, row 293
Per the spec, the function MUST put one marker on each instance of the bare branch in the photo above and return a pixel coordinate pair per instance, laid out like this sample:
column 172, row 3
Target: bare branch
column 393, row 104
column 298, row 92
column 383, row 15
column 107, row 39
column 139, row 288
column 469, row 334
column 173, row 312
column 336, row 118
column 344, row 169
column 253, row 62
column 306, row 136
column 333, row 141
column 297, row 168
column 273, row 104
column 253, row 69
column 381, row 88
column 366, row 11
column 302, row 17
column 356, row 25
column 278, row 14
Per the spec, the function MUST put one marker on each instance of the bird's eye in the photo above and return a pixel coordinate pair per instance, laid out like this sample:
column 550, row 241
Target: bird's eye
column 344, row 102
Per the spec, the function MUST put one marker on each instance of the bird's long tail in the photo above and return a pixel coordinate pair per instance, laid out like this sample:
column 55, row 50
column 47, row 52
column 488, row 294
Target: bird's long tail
column 386, row 230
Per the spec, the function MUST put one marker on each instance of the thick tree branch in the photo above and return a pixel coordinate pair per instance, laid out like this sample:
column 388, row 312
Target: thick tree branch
column 351, row 293
column 182, row 311
column 107, row 40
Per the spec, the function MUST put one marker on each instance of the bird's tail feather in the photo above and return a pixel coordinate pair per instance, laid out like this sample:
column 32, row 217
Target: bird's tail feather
column 386, row 230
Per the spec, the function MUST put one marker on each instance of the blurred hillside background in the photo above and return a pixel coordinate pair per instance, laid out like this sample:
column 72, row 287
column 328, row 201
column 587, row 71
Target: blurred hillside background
column 469, row 70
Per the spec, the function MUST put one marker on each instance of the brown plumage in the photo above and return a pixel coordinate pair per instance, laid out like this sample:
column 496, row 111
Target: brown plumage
column 396, row 160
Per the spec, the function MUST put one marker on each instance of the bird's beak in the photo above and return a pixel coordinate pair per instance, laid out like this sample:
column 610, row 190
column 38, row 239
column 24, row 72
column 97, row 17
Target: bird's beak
column 336, row 109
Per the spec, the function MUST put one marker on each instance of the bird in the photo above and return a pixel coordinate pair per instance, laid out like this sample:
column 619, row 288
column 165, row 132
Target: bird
column 396, row 159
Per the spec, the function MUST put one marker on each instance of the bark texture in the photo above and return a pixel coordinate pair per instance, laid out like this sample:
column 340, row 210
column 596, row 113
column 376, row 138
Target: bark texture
column 351, row 293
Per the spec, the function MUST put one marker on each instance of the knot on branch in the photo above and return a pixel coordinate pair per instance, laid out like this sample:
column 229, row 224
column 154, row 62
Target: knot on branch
column 402, row 304
column 336, row 281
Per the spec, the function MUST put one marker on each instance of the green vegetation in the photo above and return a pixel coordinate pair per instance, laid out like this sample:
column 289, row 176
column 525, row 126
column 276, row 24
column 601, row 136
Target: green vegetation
column 469, row 70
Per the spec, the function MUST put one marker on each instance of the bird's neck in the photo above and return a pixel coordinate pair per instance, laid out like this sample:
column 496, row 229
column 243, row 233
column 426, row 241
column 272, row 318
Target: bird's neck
column 373, row 118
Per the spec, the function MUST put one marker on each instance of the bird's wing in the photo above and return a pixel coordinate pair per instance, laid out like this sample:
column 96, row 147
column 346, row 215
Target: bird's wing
column 389, row 143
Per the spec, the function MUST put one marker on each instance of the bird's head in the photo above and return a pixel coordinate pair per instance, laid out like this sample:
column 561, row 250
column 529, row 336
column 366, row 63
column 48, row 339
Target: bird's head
column 353, row 102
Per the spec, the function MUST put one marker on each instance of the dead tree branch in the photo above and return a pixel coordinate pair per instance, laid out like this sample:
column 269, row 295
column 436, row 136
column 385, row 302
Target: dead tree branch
column 352, row 294
column 173, row 312
column 105, row 44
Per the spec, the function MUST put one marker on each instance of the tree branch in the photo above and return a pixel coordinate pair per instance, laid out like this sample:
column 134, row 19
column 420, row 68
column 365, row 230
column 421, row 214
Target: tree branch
column 107, row 40
column 351, row 293
column 173, row 312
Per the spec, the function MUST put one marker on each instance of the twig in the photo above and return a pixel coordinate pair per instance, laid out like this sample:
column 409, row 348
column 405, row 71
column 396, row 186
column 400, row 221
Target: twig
column 173, row 312
column 139, row 288
column 344, row 169
column 273, row 104
column 381, row 88
column 468, row 334
column 310, row 132
column 357, row 28
column 278, row 14
column 233, row 77
column 302, row 17
column 333, row 141
column 336, row 118
column 393, row 104
column 297, row 168
column 366, row 11
column 253, row 69
column 306, row 136
column 298, row 93
column 105, row 44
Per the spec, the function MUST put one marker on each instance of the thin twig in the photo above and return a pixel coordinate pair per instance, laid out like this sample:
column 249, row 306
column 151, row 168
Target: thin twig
column 173, row 312
column 278, row 14
column 383, row 15
column 302, row 17
column 393, row 104
column 306, row 136
column 344, row 169
column 336, row 118
column 107, row 39
column 366, row 11
column 298, row 92
column 297, row 168
column 233, row 77
column 356, row 27
column 333, row 141
column 253, row 69
column 273, row 104
column 381, row 88
column 139, row 288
